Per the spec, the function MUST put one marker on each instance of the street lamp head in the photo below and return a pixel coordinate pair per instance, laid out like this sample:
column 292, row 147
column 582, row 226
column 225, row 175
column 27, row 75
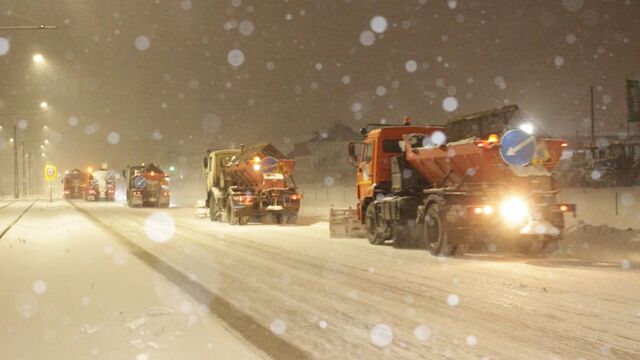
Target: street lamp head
column 38, row 59
column 46, row 141
column 44, row 105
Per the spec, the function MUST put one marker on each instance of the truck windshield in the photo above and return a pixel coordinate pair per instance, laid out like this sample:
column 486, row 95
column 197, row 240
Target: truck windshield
column 391, row 146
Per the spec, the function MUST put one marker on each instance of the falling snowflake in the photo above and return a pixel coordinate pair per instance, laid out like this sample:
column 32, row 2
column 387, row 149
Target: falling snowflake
column 156, row 135
column 379, row 24
column 329, row 181
column 572, row 5
column 471, row 340
column 367, row 38
column 113, row 138
column 39, row 287
column 411, row 66
column 453, row 300
column 422, row 332
column 159, row 227
column 235, row 57
column 381, row 335
column 142, row 43
column 381, row 91
column 450, row 104
column 246, row 27
column 278, row 327
column 185, row 4
column 438, row 138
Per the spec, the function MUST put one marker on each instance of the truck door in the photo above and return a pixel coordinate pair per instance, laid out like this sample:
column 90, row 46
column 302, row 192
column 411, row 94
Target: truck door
column 366, row 170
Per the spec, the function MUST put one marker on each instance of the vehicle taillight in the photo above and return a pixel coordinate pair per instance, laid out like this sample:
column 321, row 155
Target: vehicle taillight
column 166, row 193
column 564, row 144
column 244, row 199
column 481, row 210
column 565, row 208
column 67, row 192
column 295, row 197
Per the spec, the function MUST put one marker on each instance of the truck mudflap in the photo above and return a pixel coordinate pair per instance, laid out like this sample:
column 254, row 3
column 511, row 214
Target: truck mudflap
column 344, row 223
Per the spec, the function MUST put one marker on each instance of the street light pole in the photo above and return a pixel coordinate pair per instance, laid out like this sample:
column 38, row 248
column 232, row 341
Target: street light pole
column 16, row 188
column 24, row 172
column 29, row 175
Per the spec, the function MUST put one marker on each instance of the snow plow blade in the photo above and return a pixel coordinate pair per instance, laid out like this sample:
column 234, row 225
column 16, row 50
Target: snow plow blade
column 343, row 223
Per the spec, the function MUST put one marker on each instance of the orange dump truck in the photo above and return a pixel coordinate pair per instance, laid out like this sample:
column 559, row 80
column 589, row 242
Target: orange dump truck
column 478, row 179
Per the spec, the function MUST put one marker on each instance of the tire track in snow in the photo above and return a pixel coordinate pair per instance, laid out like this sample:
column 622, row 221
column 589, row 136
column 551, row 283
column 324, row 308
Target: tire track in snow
column 17, row 219
column 251, row 330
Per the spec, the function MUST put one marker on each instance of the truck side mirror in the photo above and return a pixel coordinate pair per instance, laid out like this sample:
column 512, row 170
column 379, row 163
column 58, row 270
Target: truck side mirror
column 353, row 156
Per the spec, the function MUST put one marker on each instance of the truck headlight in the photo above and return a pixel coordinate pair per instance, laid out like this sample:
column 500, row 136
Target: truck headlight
column 514, row 210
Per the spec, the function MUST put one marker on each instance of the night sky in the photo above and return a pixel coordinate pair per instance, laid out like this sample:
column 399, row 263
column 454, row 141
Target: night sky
column 129, row 80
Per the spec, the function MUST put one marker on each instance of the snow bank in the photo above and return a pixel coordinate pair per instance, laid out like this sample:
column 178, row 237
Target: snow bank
column 615, row 207
column 602, row 243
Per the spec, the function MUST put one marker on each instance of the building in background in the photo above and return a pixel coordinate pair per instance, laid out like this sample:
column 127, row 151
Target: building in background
column 323, row 158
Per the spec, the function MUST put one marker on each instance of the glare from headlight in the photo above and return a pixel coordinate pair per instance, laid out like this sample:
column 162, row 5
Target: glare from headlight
column 256, row 167
column 514, row 210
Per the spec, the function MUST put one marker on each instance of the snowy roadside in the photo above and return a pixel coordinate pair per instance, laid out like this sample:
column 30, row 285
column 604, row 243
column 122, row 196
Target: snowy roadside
column 69, row 291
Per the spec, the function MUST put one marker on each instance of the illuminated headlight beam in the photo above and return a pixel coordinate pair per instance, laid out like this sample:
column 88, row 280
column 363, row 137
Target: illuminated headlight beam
column 514, row 211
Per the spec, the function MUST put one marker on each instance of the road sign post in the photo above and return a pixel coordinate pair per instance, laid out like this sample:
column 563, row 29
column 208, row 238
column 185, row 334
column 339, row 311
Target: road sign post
column 50, row 174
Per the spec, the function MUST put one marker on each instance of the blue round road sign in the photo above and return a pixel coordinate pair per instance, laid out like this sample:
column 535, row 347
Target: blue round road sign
column 269, row 164
column 517, row 147
column 139, row 182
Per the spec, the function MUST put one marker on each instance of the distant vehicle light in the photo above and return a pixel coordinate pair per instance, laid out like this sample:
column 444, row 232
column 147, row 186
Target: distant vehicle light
column 493, row 138
column 256, row 159
column 564, row 144
column 487, row 209
column 256, row 167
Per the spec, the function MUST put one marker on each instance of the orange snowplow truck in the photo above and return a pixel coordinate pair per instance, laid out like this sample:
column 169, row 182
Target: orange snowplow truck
column 254, row 183
column 481, row 179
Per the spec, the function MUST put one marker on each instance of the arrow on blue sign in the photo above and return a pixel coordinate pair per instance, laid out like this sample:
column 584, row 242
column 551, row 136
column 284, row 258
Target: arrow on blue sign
column 517, row 147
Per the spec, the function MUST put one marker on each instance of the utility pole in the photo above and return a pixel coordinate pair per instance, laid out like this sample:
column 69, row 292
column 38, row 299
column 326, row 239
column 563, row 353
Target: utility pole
column 16, row 186
column 24, row 172
column 593, row 121
column 30, row 189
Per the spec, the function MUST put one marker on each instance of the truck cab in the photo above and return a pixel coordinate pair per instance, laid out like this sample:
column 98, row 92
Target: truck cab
column 372, row 158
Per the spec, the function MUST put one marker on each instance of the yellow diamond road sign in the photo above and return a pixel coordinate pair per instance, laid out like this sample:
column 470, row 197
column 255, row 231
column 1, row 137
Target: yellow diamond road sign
column 50, row 172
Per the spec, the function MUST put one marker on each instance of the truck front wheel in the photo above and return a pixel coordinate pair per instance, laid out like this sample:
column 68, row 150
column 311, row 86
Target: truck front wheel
column 435, row 232
column 213, row 211
column 375, row 230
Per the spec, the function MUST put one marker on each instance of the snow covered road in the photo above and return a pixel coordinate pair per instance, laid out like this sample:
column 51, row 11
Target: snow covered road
column 291, row 292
